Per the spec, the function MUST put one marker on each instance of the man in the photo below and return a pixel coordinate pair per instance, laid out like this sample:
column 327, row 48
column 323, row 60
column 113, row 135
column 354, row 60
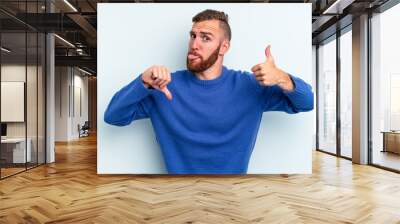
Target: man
column 206, row 118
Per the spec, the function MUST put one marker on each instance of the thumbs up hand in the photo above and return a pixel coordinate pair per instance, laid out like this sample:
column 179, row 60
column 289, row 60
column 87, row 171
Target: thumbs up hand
column 268, row 74
column 158, row 77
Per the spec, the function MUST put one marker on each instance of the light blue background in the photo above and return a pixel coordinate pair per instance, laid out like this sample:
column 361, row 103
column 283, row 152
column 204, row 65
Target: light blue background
column 132, row 37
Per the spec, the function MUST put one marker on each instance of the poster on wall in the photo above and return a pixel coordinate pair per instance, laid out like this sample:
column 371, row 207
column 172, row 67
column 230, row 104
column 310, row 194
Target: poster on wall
column 12, row 101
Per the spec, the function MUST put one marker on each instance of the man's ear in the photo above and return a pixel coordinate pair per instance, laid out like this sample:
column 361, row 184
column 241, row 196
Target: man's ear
column 224, row 47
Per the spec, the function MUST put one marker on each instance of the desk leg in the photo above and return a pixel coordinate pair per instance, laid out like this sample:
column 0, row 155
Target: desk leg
column 384, row 143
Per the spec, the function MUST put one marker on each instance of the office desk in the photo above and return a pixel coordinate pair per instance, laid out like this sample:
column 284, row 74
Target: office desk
column 391, row 141
column 15, row 148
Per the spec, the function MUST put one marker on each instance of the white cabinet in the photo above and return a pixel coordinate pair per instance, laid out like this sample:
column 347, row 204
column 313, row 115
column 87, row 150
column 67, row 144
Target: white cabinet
column 18, row 146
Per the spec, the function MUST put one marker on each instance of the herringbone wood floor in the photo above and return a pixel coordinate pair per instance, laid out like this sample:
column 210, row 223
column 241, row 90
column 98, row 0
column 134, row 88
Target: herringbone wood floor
column 70, row 191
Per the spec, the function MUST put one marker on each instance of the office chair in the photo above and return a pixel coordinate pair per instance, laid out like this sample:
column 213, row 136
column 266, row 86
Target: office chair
column 84, row 130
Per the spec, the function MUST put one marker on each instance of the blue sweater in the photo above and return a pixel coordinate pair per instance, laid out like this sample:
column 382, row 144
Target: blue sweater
column 210, row 126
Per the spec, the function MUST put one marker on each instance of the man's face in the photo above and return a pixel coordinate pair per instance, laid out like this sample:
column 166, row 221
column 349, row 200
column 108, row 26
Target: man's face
column 204, row 45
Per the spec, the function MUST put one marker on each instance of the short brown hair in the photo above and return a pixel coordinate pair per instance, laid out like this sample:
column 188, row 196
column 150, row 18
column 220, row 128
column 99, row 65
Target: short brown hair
column 210, row 14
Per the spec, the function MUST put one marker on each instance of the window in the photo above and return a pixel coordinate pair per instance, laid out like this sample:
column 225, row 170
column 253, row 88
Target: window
column 346, row 94
column 385, row 89
column 327, row 97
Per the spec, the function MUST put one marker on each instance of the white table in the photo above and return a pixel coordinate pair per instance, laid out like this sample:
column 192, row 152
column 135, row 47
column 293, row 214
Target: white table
column 19, row 149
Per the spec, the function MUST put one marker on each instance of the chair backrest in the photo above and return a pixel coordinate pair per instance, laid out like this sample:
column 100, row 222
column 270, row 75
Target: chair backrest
column 86, row 125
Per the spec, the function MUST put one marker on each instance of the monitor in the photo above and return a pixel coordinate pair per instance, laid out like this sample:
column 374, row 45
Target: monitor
column 3, row 129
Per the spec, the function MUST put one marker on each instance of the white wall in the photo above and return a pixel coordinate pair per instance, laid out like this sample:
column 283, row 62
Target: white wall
column 68, row 82
column 17, row 72
column 80, row 84
column 284, row 142
column 61, row 103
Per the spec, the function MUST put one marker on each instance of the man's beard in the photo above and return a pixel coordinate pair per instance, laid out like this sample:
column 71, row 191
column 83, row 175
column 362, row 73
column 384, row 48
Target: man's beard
column 203, row 64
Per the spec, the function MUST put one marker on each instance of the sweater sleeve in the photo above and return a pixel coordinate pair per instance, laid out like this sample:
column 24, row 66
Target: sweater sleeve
column 130, row 103
column 301, row 99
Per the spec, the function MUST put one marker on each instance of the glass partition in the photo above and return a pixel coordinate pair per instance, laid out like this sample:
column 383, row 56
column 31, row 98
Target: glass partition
column 14, row 153
column 22, row 77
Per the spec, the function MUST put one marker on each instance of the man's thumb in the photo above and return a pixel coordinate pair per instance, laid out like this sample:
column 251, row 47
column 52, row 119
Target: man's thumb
column 166, row 92
column 268, row 52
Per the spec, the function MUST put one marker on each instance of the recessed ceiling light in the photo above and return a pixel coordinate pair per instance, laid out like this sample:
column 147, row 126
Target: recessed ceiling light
column 5, row 50
column 337, row 7
column 64, row 40
column 70, row 5
column 84, row 71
